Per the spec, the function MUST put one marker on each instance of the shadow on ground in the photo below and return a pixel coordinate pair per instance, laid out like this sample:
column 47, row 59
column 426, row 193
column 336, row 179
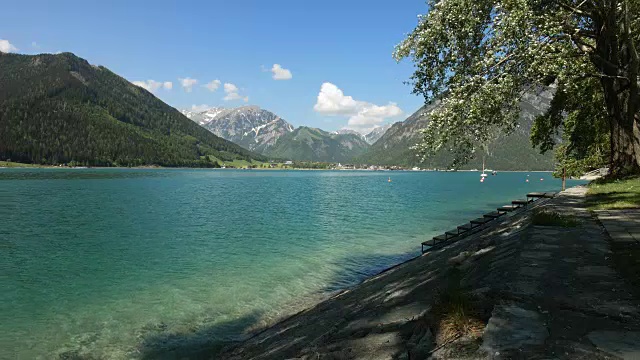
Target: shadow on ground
column 201, row 343
column 611, row 199
column 356, row 268
column 377, row 317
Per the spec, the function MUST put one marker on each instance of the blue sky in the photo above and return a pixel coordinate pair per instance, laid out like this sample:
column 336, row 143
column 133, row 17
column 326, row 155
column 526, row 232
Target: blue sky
column 346, row 45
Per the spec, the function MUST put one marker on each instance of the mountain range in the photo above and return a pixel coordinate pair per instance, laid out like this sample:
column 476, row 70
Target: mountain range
column 57, row 109
column 506, row 152
column 248, row 126
column 311, row 144
column 264, row 132
column 376, row 133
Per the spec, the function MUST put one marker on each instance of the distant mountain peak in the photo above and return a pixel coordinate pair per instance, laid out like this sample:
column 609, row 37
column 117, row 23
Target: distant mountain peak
column 248, row 108
column 376, row 133
column 248, row 126
column 203, row 117
column 346, row 131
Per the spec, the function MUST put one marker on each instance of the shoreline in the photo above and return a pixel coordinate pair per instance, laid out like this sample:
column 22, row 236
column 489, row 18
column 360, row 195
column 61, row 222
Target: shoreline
column 230, row 350
column 307, row 302
column 337, row 294
column 156, row 167
column 516, row 273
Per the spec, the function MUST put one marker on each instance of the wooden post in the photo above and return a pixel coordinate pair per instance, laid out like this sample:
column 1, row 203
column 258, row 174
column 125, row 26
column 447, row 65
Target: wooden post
column 564, row 178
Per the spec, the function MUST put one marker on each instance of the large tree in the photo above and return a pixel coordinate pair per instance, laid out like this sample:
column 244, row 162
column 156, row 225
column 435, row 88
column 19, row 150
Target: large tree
column 581, row 116
column 478, row 57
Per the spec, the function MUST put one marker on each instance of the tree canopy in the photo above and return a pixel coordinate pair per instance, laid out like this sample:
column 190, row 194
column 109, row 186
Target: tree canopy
column 479, row 57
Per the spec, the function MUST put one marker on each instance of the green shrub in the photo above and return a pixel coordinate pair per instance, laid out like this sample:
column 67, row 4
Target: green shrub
column 552, row 218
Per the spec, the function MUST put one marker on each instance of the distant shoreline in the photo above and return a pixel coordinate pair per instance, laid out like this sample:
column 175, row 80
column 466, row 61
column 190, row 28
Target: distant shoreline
column 8, row 165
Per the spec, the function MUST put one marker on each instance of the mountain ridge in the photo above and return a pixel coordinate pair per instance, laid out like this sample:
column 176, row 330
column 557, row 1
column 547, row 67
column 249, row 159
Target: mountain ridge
column 249, row 126
column 506, row 152
column 313, row 144
column 377, row 133
column 60, row 108
column 260, row 130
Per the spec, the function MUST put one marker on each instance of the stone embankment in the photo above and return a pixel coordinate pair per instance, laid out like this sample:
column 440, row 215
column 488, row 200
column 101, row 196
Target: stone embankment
column 514, row 291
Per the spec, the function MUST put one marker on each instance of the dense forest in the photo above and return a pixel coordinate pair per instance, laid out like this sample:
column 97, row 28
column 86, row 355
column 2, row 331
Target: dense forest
column 57, row 109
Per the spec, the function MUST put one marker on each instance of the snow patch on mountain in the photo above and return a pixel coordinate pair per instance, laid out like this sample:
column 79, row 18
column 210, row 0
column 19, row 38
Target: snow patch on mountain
column 248, row 126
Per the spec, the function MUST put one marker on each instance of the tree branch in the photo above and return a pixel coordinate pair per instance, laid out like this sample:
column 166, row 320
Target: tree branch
column 574, row 9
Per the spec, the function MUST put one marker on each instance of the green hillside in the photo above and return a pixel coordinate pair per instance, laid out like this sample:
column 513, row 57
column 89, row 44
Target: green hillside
column 59, row 109
column 311, row 144
column 506, row 152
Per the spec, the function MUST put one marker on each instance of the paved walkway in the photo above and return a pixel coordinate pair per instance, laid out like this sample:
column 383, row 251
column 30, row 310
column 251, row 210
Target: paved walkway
column 622, row 225
column 561, row 297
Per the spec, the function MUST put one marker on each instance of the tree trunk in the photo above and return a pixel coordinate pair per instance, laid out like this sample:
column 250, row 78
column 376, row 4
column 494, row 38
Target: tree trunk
column 625, row 148
column 617, row 59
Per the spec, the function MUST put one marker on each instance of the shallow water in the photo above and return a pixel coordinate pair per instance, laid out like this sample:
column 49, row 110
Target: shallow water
column 124, row 263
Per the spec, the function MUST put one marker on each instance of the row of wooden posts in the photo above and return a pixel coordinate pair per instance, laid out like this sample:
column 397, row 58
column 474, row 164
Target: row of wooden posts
column 477, row 224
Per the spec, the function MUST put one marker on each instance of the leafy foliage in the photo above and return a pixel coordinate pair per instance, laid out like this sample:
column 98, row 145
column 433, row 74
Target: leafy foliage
column 60, row 109
column 478, row 57
column 580, row 112
column 505, row 152
column 552, row 218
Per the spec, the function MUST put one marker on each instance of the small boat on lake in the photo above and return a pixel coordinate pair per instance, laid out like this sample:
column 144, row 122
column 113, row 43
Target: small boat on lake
column 483, row 175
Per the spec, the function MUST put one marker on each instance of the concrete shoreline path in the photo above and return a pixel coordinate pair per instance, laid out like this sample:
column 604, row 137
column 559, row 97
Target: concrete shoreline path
column 622, row 225
column 540, row 292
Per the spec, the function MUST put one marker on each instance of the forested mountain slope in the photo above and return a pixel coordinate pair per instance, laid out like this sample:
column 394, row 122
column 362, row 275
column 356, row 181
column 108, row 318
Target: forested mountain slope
column 506, row 152
column 59, row 108
column 311, row 144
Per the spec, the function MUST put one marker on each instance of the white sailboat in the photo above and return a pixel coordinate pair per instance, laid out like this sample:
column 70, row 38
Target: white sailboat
column 484, row 174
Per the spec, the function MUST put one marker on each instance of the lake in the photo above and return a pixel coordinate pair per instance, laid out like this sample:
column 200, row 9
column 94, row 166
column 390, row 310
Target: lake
column 121, row 263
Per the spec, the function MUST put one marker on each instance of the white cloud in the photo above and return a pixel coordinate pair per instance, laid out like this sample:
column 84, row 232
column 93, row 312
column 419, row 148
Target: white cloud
column 35, row 45
column 371, row 116
column 200, row 108
column 153, row 86
column 213, row 85
column 149, row 85
column 363, row 116
column 280, row 73
column 332, row 101
column 7, row 47
column 187, row 83
column 230, row 88
column 233, row 93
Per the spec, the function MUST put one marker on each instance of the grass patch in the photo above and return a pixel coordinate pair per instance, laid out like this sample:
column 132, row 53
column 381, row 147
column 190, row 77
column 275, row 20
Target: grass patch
column 456, row 312
column 238, row 163
column 552, row 218
column 605, row 194
column 10, row 164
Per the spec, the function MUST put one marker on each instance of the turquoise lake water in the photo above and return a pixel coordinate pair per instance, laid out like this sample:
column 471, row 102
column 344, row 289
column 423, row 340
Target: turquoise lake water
column 126, row 263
